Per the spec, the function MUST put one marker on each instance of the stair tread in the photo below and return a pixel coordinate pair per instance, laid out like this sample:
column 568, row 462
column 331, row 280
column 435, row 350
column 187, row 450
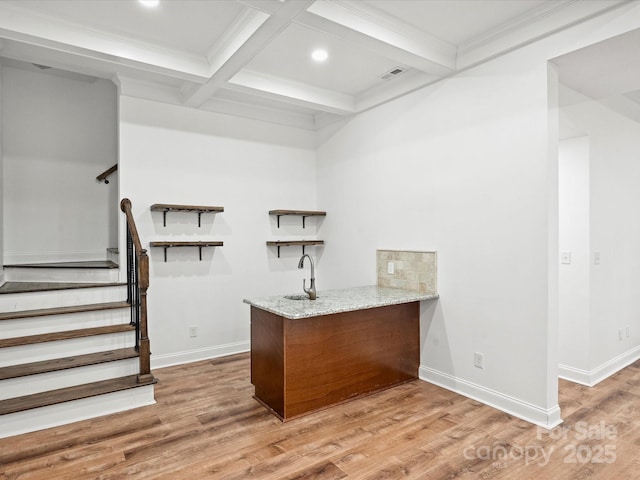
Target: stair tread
column 52, row 397
column 29, row 287
column 62, row 310
column 65, row 335
column 81, row 264
column 15, row 371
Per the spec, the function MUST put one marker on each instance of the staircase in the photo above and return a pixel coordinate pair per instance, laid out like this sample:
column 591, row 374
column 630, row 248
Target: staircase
column 73, row 350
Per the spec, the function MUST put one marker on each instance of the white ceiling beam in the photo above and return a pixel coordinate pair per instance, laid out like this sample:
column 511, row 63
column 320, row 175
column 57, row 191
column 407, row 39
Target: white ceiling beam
column 292, row 92
column 73, row 62
column 358, row 24
column 245, row 25
column 20, row 25
column 267, row 6
column 270, row 115
column 266, row 32
column 547, row 19
column 136, row 88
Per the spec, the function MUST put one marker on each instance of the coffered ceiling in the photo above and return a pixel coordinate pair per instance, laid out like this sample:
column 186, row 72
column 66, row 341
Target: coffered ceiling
column 252, row 57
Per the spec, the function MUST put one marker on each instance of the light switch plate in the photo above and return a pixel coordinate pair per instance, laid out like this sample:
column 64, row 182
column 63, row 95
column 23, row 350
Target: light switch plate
column 565, row 258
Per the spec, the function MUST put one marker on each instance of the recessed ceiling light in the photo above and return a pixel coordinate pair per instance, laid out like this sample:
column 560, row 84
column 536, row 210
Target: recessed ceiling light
column 319, row 55
column 150, row 3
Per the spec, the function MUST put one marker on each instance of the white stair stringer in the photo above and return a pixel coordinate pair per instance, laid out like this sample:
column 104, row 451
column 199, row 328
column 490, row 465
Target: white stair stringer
column 10, row 302
column 73, row 411
column 30, row 384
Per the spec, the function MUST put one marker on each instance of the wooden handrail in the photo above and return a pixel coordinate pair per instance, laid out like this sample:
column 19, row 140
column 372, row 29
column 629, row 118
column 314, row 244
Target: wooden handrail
column 137, row 284
column 125, row 206
column 103, row 176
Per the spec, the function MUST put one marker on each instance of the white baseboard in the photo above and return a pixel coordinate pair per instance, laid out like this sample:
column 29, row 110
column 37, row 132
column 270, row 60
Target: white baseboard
column 546, row 418
column 575, row 375
column 594, row 376
column 74, row 411
column 170, row 359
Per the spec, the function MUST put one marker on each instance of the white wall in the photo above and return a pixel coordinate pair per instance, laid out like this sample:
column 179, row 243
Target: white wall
column 463, row 167
column 460, row 168
column 614, row 233
column 177, row 155
column 59, row 133
column 574, row 289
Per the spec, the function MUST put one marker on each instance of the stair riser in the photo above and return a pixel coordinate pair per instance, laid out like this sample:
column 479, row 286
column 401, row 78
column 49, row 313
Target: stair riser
column 17, row 387
column 64, row 348
column 11, row 302
column 20, row 327
column 68, row 412
column 88, row 275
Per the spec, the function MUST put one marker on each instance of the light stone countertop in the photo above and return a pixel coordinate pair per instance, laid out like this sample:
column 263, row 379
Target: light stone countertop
column 337, row 301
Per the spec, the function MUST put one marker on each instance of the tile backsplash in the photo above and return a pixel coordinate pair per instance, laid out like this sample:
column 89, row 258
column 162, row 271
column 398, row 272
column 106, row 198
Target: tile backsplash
column 411, row 270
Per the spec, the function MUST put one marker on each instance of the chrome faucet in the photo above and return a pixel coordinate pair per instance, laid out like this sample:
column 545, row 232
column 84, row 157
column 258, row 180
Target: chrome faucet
column 311, row 291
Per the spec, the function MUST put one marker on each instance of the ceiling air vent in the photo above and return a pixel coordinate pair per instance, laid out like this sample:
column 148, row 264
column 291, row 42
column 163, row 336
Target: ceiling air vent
column 394, row 72
column 41, row 67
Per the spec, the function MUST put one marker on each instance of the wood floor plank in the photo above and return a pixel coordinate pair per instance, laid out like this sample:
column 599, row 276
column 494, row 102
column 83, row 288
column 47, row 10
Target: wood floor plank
column 207, row 425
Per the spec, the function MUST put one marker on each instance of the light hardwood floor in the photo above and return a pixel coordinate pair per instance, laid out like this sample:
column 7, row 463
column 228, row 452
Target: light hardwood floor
column 206, row 425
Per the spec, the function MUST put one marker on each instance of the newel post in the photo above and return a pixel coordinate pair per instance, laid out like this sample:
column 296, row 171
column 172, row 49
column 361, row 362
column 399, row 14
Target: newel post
column 145, row 352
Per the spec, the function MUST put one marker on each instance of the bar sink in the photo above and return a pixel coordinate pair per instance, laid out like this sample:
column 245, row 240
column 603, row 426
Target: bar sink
column 296, row 297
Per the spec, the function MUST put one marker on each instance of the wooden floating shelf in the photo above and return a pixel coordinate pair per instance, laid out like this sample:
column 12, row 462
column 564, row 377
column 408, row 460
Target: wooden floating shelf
column 294, row 243
column 300, row 213
column 199, row 209
column 200, row 245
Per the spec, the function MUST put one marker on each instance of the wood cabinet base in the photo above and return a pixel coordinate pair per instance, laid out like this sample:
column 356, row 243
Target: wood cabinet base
column 304, row 365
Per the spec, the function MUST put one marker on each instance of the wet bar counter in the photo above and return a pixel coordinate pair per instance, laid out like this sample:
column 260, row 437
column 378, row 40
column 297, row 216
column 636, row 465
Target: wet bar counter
column 308, row 355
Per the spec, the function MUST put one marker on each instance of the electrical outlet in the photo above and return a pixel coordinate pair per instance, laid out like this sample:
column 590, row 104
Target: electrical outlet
column 391, row 268
column 566, row 258
column 193, row 331
column 478, row 360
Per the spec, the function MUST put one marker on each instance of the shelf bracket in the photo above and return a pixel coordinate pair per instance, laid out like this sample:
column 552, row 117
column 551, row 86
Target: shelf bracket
column 164, row 224
column 278, row 249
column 199, row 224
column 278, row 227
column 303, row 226
column 200, row 248
column 165, row 253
